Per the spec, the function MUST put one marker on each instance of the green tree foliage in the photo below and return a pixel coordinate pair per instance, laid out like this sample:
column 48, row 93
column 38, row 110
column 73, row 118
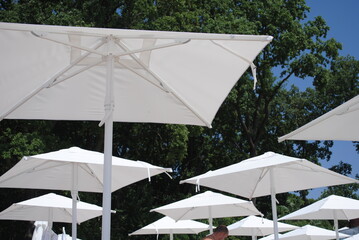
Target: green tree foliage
column 248, row 123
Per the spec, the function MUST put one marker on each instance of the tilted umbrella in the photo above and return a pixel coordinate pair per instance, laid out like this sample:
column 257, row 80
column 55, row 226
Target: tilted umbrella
column 167, row 225
column 75, row 169
column 208, row 205
column 52, row 208
column 341, row 123
column 311, row 233
column 269, row 174
column 107, row 75
column 256, row 226
column 330, row 208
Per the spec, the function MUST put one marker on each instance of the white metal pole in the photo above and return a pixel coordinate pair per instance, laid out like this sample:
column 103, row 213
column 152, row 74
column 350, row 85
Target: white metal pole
column 171, row 234
column 50, row 218
column 336, row 224
column 274, row 205
column 107, row 168
column 254, row 237
column 210, row 220
column 74, row 194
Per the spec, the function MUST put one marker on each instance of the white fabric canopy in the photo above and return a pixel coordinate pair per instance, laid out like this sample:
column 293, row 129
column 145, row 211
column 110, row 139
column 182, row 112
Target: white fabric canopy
column 55, row 170
column 256, row 226
column 162, row 77
column 252, row 177
column 330, row 208
column 340, row 123
column 269, row 174
column 78, row 73
column 167, row 225
column 52, row 208
column 208, row 205
column 75, row 169
column 311, row 233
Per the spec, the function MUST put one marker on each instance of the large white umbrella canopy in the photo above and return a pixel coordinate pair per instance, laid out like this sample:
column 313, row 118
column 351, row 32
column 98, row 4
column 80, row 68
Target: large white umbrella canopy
column 309, row 232
column 75, row 169
column 78, row 73
column 256, row 226
column 269, row 174
column 167, row 225
column 330, row 208
column 341, row 123
column 52, row 208
column 208, row 205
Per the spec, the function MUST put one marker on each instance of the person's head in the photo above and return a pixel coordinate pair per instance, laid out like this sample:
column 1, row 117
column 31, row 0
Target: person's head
column 221, row 232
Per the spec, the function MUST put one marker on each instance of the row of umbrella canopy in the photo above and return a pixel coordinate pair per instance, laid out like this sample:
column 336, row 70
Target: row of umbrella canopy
column 73, row 169
column 330, row 208
column 270, row 173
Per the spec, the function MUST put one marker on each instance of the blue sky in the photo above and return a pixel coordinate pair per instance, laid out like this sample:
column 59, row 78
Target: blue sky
column 343, row 19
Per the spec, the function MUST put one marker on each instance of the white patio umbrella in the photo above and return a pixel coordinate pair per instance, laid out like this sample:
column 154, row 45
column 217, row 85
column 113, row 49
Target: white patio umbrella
column 256, row 226
column 208, row 205
column 330, row 208
column 51, row 208
column 269, row 174
column 167, row 225
column 75, row 169
column 341, row 123
column 309, row 232
column 120, row 75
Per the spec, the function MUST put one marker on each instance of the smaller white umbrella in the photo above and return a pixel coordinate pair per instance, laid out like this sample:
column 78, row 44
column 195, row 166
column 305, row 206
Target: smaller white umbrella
column 256, row 226
column 330, row 208
column 208, row 205
column 167, row 225
column 309, row 232
column 75, row 169
column 52, row 208
column 269, row 174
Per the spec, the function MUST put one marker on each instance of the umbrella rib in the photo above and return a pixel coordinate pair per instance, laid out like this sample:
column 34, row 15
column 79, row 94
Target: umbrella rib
column 32, row 169
column 184, row 214
column 253, row 67
column 91, row 172
column 46, row 84
column 165, row 86
column 137, row 73
column 90, row 50
column 129, row 52
column 263, row 173
column 77, row 72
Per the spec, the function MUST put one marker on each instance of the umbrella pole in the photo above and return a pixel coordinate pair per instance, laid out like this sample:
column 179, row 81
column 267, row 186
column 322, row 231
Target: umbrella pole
column 107, row 168
column 274, row 205
column 74, row 194
column 210, row 220
column 336, row 225
column 171, row 235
